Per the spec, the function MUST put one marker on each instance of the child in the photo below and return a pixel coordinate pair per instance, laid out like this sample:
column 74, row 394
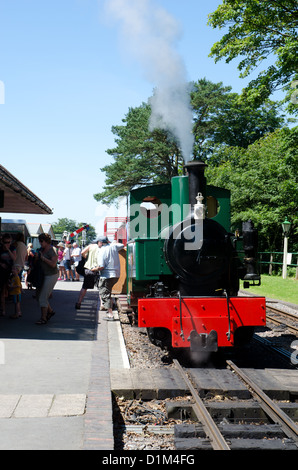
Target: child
column 15, row 289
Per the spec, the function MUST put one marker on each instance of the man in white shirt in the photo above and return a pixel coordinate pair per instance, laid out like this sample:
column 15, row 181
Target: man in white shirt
column 109, row 266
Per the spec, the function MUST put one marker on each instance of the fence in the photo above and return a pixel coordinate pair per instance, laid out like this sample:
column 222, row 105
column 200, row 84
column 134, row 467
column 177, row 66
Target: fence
column 275, row 258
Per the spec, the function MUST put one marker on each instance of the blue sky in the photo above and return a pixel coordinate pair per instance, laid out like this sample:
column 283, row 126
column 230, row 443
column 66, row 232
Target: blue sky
column 69, row 77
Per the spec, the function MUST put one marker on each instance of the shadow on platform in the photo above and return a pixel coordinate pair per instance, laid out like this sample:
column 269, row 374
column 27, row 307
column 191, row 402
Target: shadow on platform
column 67, row 324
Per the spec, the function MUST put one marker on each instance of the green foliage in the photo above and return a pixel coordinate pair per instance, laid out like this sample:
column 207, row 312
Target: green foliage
column 64, row 224
column 70, row 225
column 263, row 184
column 259, row 30
column 220, row 117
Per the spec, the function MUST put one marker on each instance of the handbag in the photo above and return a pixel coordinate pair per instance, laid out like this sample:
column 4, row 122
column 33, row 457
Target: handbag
column 36, row 275
column 80, row 267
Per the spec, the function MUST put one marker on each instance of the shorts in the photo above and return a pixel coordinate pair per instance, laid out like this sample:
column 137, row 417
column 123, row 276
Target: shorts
column 67, row 264
column 89, row 279
column 16, row 298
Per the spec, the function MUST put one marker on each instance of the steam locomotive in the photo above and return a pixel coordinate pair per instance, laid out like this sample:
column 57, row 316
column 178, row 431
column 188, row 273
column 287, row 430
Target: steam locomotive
column 184, row 266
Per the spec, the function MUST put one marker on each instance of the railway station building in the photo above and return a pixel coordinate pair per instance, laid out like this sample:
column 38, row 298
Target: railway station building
column 15, row 197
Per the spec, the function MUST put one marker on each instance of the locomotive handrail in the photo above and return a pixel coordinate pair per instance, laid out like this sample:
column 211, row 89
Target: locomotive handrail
column 228, row 333
column 180, row 314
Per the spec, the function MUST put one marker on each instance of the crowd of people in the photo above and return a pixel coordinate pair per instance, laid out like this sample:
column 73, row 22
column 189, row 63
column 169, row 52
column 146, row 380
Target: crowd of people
column 98, row 263
column 69, row 256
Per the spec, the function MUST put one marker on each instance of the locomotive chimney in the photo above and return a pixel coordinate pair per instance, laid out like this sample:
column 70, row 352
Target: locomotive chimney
column 196, row 180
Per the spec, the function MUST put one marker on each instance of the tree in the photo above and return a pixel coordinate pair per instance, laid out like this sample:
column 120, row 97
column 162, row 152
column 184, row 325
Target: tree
column 70, row 225
column 140, row 157
column 64, row 225
column 258, row 30
column 263, row 184
column 219, row 118
column 206, row 99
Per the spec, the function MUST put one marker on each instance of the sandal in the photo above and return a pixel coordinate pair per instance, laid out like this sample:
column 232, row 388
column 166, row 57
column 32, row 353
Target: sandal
column 41, row 322
column 108, row 318
column 50, row 315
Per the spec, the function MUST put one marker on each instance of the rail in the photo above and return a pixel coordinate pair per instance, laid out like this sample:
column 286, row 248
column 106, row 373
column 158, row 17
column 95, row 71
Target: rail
column 217, row 440
column 271, row 409
column 284, row 316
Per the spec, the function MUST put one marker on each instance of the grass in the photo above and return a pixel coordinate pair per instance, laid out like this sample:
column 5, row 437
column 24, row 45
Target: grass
column 275, row 287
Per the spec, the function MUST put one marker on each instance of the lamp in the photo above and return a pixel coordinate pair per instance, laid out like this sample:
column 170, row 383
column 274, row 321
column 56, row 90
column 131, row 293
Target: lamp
column 286, row 225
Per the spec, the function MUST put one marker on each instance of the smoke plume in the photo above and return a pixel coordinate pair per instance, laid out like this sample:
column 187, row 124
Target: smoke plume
column 151, row 35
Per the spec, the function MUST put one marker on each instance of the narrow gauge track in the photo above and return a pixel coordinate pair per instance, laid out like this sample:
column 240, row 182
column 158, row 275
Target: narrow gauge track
column 243, row 425
column 280, row 317
column 286, row 320
column 217, row 440
column 282, row 434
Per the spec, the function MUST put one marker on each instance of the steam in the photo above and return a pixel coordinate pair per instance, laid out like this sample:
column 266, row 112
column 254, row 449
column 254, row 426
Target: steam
column 151, row 34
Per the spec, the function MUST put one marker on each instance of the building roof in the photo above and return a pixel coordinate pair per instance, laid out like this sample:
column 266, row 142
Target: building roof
column 18, row 198
column 35, row 229
column 47, row 228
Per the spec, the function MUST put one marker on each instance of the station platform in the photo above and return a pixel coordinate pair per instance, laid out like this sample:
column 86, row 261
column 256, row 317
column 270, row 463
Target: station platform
column 54, row 379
